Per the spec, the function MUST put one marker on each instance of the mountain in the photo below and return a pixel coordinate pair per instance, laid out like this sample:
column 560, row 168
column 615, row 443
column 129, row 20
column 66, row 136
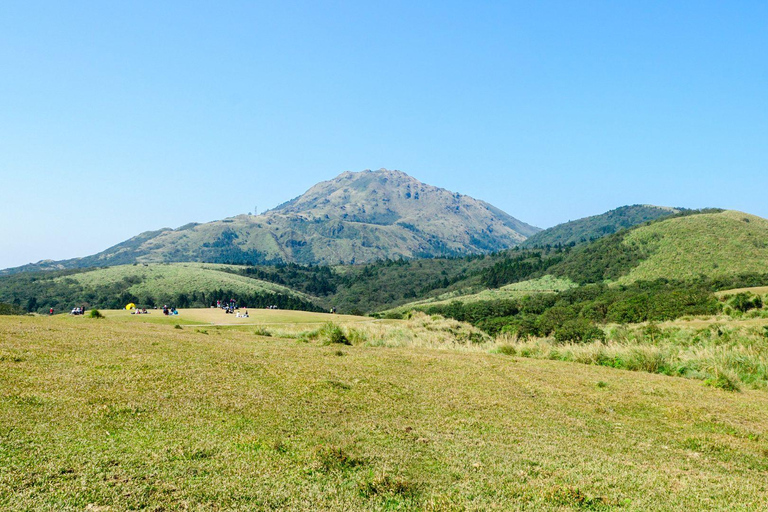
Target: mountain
column 597, row 226
column 354, row 218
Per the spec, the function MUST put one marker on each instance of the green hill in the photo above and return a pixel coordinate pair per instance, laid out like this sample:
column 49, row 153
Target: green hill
column 715, row 245
column 591, row 228
column 179, row 284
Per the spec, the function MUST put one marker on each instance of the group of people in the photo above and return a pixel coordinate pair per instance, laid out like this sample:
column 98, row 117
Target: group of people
column 142, row 311
column 75, row 311
column 169, row 311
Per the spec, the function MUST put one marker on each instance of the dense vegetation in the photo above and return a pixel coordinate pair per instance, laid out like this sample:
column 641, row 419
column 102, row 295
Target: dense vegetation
column 10, row 309
column 597, row 226
column 180, row 285
column 658, row 264
column 573, row 315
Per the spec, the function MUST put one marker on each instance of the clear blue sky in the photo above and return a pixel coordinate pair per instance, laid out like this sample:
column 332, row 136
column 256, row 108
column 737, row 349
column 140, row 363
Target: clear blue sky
column 121, row 117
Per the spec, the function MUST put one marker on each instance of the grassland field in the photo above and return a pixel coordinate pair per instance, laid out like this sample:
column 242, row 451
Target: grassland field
column 132, row 412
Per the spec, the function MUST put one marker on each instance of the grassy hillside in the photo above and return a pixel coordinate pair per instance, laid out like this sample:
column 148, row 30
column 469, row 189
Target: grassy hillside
column 591, row 228
column 180, row 284
column 545, row 284
column 714, row 245
column 717, row 245
column 100, row 414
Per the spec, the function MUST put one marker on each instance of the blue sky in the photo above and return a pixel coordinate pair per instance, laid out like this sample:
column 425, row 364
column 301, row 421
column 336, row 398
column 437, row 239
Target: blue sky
column 121, row 117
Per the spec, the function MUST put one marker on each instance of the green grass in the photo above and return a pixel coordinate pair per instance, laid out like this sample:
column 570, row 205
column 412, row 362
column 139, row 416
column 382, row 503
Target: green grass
column 108, row 413
column 715, row 244
column 545, row 284
column 156, row 280
column 725, row 353
column 597, row 226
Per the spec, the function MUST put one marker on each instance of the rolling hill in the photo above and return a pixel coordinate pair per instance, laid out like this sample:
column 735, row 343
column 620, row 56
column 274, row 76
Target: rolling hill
column 178, row 284
column 714, row 245
column 597, row 226
column 353, row 218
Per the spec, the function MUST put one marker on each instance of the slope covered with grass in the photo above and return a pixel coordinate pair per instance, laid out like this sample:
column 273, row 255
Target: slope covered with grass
column 597, row 226
column 713, row 245
column 545, row 284
column 97, row 414
column 180, row 284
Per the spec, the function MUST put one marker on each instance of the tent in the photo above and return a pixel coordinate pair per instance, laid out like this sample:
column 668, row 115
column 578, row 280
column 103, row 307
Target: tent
column 130, row 306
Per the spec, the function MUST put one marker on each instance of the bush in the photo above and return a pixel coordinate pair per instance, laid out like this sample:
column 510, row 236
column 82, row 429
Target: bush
column 578, row 331
column 724, row 382
column 332, row 333
column 10, row 309
column 261, row 331
column 95, row 313
column 507, row 350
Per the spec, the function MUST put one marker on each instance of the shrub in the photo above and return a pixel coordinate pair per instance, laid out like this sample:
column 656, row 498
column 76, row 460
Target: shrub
column 10, row 309
column 177, row 326
column 507, row 350
column 356, row 337
column 95, row 313
column 579, row 331
column 261, row 331
column 724, row 382
column 332, row 333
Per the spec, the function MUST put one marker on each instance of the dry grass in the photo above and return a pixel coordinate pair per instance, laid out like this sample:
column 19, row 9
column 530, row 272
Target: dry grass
column 114, row 415
column 724, row 353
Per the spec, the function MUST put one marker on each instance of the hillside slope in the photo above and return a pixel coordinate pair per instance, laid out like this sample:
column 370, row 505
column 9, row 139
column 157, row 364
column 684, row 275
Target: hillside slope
column 715, row 245
column 353, row 218
column 591, row 228
column 178, row 284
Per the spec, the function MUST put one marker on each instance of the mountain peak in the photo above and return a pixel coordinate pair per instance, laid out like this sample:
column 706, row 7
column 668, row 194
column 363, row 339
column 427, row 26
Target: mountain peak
column 355, row 217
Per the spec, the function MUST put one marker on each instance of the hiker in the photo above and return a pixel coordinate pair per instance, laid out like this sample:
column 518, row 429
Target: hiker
column 50, row 312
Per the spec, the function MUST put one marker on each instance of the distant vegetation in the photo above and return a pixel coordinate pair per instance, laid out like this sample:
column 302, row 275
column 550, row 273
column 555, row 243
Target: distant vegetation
column 181, row 285
column 10, row 309
column 573, row 315
column 591, row 228
column 636, row 274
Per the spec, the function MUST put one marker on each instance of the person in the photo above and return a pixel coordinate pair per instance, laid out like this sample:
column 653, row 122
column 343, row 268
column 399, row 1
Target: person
column 245, row 315
column 50, row 312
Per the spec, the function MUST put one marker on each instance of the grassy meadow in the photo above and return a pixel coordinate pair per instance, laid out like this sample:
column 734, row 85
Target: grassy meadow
column 132, row 412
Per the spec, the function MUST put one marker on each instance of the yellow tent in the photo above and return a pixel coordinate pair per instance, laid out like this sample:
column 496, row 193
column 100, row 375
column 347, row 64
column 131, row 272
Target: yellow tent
column 130, row 306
